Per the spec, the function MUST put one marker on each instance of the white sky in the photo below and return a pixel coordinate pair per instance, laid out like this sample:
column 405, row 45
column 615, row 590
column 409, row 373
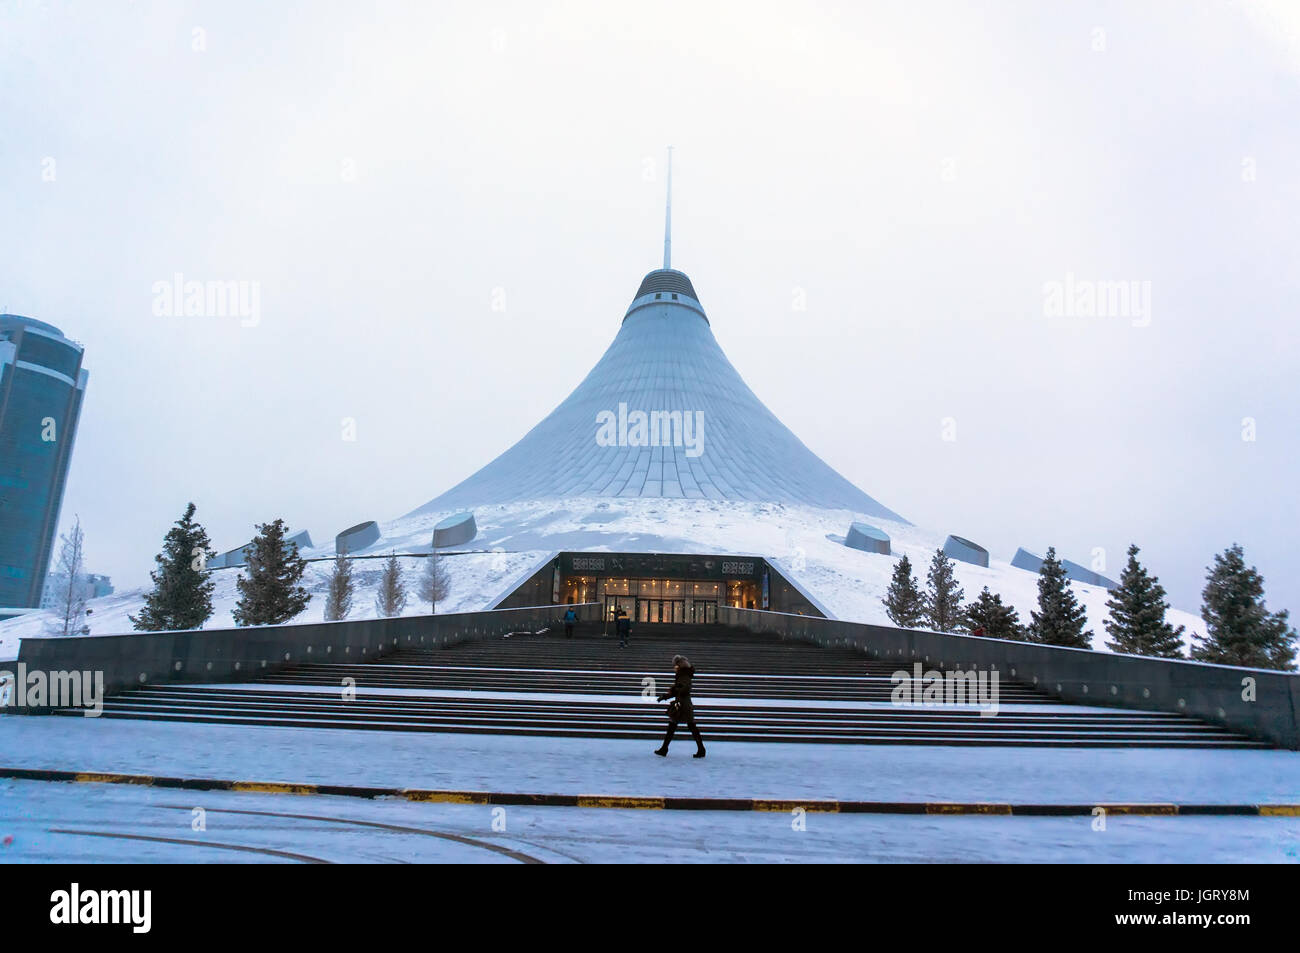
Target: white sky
column 916, row 171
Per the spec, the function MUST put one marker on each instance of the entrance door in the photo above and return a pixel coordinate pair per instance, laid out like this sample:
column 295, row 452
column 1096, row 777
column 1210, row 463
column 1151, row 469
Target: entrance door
column 703, row 611
column 660, row 610
column 626, row 603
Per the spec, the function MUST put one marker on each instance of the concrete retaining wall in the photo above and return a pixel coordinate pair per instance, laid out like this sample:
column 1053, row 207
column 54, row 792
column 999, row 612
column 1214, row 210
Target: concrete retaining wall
column 1078, row 676
column 239, row 654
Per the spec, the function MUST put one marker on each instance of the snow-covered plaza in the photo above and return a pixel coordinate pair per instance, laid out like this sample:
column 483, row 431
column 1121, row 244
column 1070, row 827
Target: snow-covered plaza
column 33, row 813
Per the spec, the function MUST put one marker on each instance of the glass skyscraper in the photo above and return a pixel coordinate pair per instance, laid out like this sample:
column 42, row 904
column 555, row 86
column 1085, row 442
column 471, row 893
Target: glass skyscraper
column 41, row 387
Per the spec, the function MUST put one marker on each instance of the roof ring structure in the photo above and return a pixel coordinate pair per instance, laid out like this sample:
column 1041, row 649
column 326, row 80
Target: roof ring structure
column 664, row 280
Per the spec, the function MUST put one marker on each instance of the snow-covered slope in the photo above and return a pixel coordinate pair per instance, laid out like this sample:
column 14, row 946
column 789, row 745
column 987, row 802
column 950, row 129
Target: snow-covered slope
column 805, row 542
column 513, row 538
column 476, row 578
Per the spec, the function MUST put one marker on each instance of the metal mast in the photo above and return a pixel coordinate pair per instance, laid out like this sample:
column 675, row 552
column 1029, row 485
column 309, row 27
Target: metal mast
column 668, row 214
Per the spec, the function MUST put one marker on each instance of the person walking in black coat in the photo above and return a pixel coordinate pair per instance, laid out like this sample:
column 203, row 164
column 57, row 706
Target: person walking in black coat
column 681, row 708
column 623, row 625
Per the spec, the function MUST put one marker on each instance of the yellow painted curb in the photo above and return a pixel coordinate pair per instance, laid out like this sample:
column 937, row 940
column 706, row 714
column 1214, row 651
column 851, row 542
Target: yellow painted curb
column 447, row 797
column 785, row 807
column 92, row 777
column 944, row 807
column 641, row 802
column 1279, row 810
column 635, row 803
column 1140, row 809
column 272, row 787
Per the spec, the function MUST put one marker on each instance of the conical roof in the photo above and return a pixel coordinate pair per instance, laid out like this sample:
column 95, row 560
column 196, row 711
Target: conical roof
column 663, row 359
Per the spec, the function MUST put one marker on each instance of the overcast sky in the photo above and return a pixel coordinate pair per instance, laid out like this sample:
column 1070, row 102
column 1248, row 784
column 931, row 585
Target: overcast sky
column 447, row 208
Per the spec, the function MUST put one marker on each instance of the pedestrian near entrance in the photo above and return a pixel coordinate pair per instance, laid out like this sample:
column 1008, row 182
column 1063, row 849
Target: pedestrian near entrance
column 681, row 708
column 570, row 617
column 623, row 625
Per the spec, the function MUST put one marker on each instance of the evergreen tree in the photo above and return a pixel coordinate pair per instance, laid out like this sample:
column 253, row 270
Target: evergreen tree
column 270, row 594
column 434, row 583
column 1137, row 623
column 182, row 592
column 943, row 598
column 904, row 603
column 390, row 598
column 998, row 621
column 1241, row 630
column 1060, row 619
column 71, row 588
column 339, row 589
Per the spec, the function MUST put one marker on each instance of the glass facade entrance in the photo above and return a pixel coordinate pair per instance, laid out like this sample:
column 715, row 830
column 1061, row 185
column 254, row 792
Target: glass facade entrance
column 702, row 610
column 660, row 587
column 661, row 610
column 657, row 599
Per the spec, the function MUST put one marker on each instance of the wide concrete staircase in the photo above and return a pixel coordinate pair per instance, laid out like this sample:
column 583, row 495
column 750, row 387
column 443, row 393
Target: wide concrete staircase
column 748, row 687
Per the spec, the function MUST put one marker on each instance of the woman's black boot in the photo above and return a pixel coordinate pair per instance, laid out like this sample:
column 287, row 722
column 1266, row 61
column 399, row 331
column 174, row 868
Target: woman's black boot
column 662, row 750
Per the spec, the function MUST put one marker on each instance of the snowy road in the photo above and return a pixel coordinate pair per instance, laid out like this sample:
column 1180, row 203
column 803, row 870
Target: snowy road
column 159, row 822
column 347, row 830
column 602, row 766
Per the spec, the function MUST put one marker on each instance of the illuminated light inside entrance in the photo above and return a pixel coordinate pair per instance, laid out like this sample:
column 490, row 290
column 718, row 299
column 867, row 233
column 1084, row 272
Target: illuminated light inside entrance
column 672, row 587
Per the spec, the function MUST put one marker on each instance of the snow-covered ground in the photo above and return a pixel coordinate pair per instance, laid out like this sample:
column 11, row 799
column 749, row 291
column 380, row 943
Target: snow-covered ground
column 65, row 823
column 621, row 767
column 57, row 822
column 804, row 541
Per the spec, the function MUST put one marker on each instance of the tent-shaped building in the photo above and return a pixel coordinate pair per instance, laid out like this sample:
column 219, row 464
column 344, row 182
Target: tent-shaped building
column 663, row 414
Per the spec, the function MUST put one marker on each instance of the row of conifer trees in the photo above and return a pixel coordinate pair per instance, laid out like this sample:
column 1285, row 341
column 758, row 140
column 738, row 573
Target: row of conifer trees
column 1239, row 628
column 270, row 587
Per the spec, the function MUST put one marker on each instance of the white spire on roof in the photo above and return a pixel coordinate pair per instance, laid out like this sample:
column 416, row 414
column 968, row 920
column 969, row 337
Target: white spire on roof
column 668, row 214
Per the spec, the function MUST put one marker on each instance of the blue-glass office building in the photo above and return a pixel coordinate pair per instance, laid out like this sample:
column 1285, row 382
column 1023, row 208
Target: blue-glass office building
column 42, row 385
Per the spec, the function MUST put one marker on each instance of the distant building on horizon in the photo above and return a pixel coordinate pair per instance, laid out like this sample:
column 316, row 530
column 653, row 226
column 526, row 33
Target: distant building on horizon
column 42, row 384
column 93, row 586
